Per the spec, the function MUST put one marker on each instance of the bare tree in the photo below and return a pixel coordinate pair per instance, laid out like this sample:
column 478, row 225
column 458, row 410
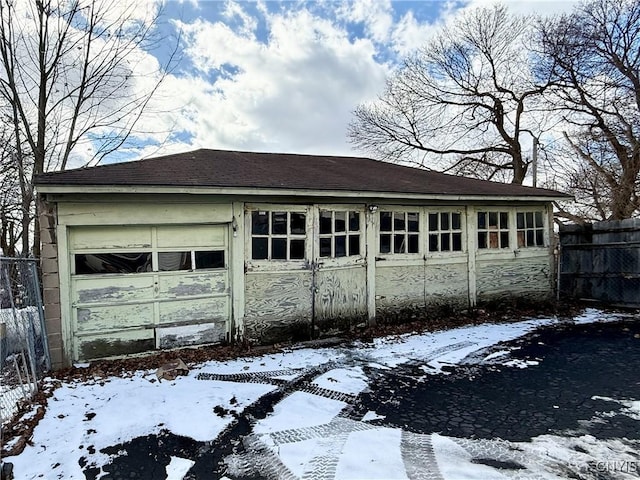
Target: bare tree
column 466, row 102
column 593, row 58
column 74, row 82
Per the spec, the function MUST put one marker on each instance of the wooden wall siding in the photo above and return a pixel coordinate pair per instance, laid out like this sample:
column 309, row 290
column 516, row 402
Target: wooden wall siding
column 421, row 286
column 506, row 278
column 277, row 305
column 341, row 296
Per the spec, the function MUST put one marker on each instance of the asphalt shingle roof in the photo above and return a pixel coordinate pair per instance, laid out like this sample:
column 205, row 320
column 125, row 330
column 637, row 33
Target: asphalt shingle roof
column 232, row 169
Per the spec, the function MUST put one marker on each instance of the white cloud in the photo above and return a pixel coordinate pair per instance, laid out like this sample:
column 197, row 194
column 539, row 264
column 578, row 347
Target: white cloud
column 293, row 91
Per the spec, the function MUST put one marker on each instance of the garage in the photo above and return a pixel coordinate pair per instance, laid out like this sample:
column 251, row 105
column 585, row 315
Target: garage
column 137, row 288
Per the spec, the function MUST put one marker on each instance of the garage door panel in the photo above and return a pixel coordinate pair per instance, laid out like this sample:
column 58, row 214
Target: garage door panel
column 96, row 238
column 111, row 344
column 205, row 236
column 192, row 284
column 171, row 337
column 113, row 317
column 113, row 289
column 194, row 311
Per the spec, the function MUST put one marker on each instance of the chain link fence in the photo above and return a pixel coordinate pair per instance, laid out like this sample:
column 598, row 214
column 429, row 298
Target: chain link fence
column 24, row 355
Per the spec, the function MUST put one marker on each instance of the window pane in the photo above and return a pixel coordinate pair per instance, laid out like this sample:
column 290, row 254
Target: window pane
column 113, row 263
column 455, row 221
column 482, row 220
column 530, row 220
column 398, row 244
column 385, row 243
column 279, row 248
column 354, row 221
column 493, row 220
column 539, row 222
column 385, row 221
column 433, row 222
column 279, row 223
column 504, row 220
column 354, row 244
column 298, row 223
column 297, row 249
column 413, row 221
column 482, row 240
column 210, row 259
column 341, row 246
column 521, row 242
column 504, row 239
column 444, row 221
column 414, row 244
column 520, row 220
column 260, row 223
column 325, row 223
column 457, row 242
column 445, row 242
column 530, row 238
column 493, row 240
column 398, row 221
column 325, row 247
column 171, row 261
column 340, row 222
column 433, row 242
column 259, row 248
column 540, row 238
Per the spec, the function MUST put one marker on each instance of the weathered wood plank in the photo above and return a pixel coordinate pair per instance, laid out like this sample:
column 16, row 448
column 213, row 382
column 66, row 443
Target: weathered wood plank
column 514, row 277
column 100, row 289
column 112, row 344
column 190, row 311
column 114, row 317
column 110, row 237
column 176, row 236
column 189, row 284
column 277, row 306
column 182, row 336
column 341, row 293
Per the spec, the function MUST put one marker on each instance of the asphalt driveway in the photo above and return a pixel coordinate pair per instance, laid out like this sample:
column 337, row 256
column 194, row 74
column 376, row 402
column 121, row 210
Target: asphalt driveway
column 580, row 383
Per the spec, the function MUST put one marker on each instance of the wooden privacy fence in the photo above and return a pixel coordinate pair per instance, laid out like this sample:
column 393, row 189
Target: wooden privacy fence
column 601, row 262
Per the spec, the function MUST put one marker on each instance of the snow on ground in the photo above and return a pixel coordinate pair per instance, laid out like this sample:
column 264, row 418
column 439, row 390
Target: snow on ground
column 84, row 417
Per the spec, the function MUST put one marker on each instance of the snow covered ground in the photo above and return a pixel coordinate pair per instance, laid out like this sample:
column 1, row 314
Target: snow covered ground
column 305, row 435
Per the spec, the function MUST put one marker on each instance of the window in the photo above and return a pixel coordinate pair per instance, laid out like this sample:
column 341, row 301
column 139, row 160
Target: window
column 530, row 227
column 96, row 263
column 339, row 233
column 399, row 232
column 101, row 263
column 278, row 235
column 445, row 232
column 493, row 230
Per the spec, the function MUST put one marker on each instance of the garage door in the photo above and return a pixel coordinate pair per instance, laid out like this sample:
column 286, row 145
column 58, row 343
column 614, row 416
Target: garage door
column 137, row 288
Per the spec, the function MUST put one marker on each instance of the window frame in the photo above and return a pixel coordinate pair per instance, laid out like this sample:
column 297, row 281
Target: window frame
column 406, row 210
column 361, row 232
column 462, row 231
column 509, row 230
column 544, row 228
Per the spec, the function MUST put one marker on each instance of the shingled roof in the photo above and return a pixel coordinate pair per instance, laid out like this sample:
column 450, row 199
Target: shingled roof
column 232, row 169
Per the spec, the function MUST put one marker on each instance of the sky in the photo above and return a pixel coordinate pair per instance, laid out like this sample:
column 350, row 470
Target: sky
column 88, row 415
column 283, row 76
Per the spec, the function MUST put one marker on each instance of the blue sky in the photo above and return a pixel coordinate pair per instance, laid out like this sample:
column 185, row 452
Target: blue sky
column 285, row 76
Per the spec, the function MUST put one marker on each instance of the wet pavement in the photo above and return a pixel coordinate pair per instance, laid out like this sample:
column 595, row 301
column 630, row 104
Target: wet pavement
column 571, row 371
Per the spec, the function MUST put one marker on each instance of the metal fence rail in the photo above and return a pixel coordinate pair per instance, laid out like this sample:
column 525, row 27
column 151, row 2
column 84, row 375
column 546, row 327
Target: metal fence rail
column 601, row 262
column 24, row 356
